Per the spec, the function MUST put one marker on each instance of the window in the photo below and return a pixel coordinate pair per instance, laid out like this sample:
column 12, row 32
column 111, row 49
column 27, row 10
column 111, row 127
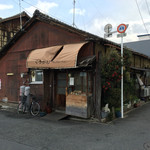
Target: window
column 80, row 82
column 61, row 83
column 36, row 76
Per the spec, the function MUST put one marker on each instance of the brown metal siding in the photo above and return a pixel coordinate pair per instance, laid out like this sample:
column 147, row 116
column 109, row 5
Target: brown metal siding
column 12, row 63
column 39, row 35
column 43, row 35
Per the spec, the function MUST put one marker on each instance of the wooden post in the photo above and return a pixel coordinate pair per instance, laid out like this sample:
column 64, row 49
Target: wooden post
column 48, row 87
column 98, row 86
column 51, row 86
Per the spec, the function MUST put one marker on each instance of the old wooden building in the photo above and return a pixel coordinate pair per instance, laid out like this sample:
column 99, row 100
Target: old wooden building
column 10, row 26
column 61, row 63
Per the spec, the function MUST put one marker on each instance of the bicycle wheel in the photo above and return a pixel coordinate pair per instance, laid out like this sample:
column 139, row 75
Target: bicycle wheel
column 35, row 109
column 21, row 108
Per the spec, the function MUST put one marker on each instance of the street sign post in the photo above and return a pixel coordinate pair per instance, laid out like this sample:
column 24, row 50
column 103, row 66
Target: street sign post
column 106, row 35
column 121, row 29
column 107, row 30
column 121, row 35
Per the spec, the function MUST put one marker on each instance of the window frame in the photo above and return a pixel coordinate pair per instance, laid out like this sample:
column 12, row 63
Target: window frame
column 36, row 82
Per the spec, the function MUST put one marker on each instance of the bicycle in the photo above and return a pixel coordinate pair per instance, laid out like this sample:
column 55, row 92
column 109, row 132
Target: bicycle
column 34, row 107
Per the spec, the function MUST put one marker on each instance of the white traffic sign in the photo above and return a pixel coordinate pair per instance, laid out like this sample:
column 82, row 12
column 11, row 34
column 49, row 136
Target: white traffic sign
column 108, row 28
column 121, row 35
column 121, row 28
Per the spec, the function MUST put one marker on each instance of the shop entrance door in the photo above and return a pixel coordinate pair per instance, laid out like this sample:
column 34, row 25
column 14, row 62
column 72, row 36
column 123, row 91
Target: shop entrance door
column 61, row 91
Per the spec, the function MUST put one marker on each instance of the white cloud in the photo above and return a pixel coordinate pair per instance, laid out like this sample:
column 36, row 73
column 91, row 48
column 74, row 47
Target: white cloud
column 135, row 28
column 43, row 6
column 124, row 12
column 78, row 11
column 3, row 7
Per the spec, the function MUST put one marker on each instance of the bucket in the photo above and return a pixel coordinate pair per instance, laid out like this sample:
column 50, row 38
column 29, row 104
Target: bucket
column 118, row 114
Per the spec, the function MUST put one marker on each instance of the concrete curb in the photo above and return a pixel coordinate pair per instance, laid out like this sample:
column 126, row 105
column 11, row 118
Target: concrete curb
column 12, row 107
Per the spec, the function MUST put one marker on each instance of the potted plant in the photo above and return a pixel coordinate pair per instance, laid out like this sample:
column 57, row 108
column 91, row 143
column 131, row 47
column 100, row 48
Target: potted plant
column 118, row 112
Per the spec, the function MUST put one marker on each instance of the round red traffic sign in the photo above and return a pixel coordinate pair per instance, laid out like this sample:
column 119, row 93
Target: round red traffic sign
column 121, row 28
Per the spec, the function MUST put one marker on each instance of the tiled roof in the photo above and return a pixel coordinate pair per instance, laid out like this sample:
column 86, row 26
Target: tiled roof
column 142, row 46
column 47, row 19
column 23, row 14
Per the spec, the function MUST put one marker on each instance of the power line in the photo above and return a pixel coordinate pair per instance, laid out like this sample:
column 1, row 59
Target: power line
column 90, row 19
column 40, row 10
column 83, row 18
column 23, row 8
column 44, row 12
column 141, row 16
column 34, row 6
column 147, row 7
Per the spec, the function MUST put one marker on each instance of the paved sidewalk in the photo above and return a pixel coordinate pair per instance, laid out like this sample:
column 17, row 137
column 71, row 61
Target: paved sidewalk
column 9, row 106
column 12, row 107
column 21, row 131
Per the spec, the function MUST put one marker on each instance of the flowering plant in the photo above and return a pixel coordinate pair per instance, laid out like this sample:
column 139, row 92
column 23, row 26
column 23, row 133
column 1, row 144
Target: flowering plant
column 111, row 76
column 110, row 71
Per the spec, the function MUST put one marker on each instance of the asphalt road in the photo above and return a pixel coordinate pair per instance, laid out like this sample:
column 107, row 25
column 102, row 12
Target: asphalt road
column 22, row 132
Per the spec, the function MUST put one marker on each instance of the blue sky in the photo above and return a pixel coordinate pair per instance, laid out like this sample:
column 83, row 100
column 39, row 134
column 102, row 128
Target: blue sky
column 91, row 15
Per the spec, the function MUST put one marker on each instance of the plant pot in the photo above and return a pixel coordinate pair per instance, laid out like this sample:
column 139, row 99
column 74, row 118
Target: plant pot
column 118, row 114
column 104, row 114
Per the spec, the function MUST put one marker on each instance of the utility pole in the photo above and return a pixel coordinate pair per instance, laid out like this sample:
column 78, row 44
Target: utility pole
column 74, row 3
column 20, row 14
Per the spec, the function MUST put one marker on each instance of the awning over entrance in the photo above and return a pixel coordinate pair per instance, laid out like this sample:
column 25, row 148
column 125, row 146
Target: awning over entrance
column 41, row 58
column 67, row 58
column 57, row 57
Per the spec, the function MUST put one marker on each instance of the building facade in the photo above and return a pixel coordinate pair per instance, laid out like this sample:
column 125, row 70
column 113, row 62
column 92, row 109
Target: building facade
column 10, row 26
column 61, row 63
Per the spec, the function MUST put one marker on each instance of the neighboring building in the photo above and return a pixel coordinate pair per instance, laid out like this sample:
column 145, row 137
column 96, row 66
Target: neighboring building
column 142, row 46
column 61, row 63
column 10, row 26
column 144, row 37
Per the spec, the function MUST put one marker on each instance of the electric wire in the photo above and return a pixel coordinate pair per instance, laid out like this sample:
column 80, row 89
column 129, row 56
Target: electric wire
column 23, row 8
column 40, row 10
column 45, row 12
column 34, row 6
column 83, row 20
column 141, row 17
column 90, row 20
column 147, row 6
